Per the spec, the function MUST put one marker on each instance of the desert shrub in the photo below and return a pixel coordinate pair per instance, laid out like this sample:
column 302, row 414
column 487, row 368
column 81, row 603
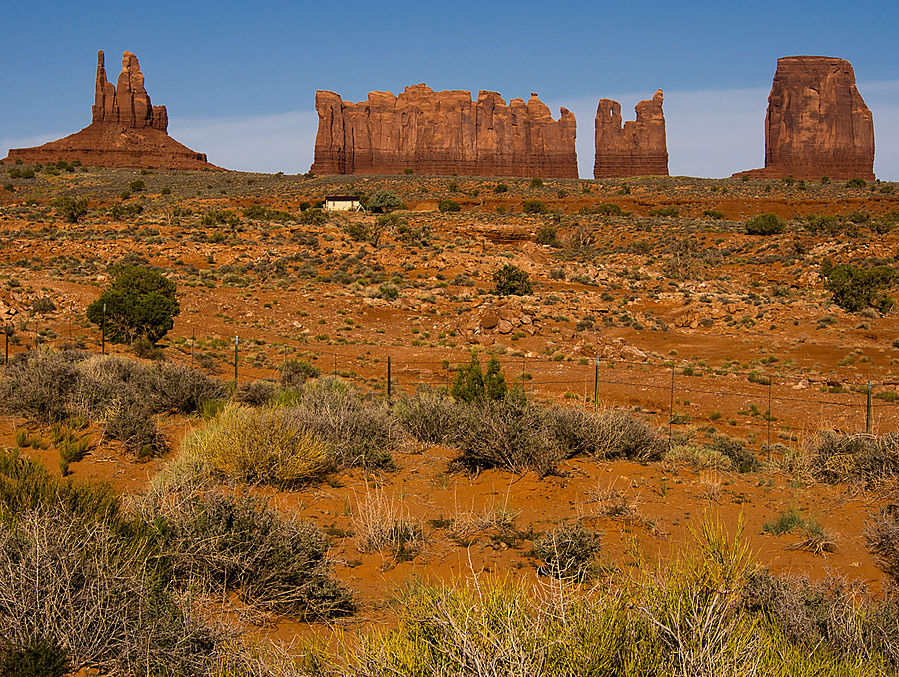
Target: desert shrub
column 69, row 208
column 548, row 235
column 671, row 212
column 39, row 383
column 358, row 231
column 359, row 428
column 449, row 206
column 139, row 302
column 510, row 434
column 131, row 421
column 313, row 217
column 534, row 207
column 44, row 304
column 765, row 224
column 608, row 209
column 856, row 182
column 607, row 434
column 699, row 457
column 294, row 373
column 882, row 535
column 271, row 445
column 713, row 214
column 430, row 415
column 831, row 613
column 860, row 459
column 741, row 457
column 382, row 202
column 681, row 616
column 855, row 288
column 568, row 551
column 76, row 585
column 389, row 292
column 473, row 385
column 256, row 393
column 511, row 280
column 380, row 524
column 147, row 350
column 498, row 188
column 224, row 541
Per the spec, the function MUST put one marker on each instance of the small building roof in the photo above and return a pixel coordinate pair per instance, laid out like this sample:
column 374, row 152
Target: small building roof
column 342, row 198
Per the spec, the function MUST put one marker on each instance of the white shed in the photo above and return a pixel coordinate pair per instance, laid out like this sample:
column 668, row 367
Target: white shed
column 343, row 203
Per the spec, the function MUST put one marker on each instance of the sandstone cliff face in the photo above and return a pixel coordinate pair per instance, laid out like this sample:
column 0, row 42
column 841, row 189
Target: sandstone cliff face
column 443, row 133
column 817, row 122
column 636, row 148
column 126, row 129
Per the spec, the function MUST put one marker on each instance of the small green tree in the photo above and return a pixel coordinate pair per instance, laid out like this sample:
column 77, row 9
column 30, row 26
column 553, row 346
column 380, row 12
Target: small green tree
column 449, row 206
column 472, row 385
column 69, row 208
column 512, row 280
column 534, row 207
column 383, row 202
column 855, row 288
column 139, row 302
column 765, row 224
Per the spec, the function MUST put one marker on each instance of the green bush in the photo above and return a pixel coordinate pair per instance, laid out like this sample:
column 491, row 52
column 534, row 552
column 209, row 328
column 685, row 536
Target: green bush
column 765, row 224
column 383, row 201
column 534, row 207
column 713, row 214
column 547, row 235
column 472, row 385
column 498, row 188
column 856, row 182
column 69, row 208
column 294, row 373
column 536, row 183
column 512, row 280
column 855, row 288
column 139, row 302
column 313, row 217
column 449, row 206
column 137, row 186
column 672, row 212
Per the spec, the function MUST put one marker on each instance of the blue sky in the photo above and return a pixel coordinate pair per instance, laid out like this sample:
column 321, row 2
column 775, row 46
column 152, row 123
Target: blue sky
column 239, row 79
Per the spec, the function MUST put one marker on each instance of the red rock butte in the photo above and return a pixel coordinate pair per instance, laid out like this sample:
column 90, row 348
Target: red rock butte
column 445, row 132
column 636, row 148
column 126, row 130
column 817, row 123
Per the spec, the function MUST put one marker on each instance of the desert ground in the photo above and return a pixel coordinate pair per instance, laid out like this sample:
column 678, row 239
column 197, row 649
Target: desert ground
column 649, row 297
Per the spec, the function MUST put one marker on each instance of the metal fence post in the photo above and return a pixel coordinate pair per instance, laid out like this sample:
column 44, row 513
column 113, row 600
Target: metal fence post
column 868, row 411
column 389, row 389
column 596, row 385
column 235, row 362
column 671, row 408
column 770, row 381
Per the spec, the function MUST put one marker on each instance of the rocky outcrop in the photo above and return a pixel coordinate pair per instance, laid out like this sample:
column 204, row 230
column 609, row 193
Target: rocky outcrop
column 445, row 132
column 636, row 148
column 817, row 123
column 126, row 130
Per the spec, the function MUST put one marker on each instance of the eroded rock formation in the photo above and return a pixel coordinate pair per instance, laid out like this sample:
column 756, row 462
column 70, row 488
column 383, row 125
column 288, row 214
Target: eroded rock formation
column 126, row 130
column 445, row 132
column 636, row 148
column 817, row 122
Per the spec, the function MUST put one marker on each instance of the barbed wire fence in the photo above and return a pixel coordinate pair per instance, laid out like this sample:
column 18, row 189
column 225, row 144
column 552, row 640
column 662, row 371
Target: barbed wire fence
column 775, row 405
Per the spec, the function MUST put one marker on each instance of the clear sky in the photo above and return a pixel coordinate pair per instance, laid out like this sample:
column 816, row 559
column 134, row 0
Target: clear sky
column 239, row 78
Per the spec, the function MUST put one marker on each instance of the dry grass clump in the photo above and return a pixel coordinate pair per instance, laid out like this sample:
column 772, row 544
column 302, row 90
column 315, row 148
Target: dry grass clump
column 688, row 615
column 882, row 534
column 269, row 445
column 723, row 453
column 515, row 434
column 857, row 459
column 568, row 551
column 124, row 395
column 225, row 540
column 380, row 523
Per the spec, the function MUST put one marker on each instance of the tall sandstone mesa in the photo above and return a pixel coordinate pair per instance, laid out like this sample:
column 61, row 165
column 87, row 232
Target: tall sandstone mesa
column 126, row 130
column 636, row 148
column 817, row 123
column 443, row 133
